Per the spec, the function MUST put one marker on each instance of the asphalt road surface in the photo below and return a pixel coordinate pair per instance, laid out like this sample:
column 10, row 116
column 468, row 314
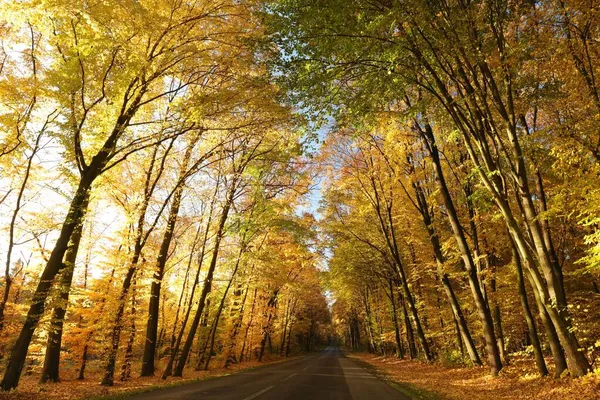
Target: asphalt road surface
column 323, row 376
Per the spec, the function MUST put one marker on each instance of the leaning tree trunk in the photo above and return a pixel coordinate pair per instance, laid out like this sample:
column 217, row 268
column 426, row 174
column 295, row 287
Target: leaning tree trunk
column 177, row 343
column 50, row 370
column 210, row 342
column 208, row 356
column 206, row 288
column 493, row 352
column 75, row 217
column 289, row 338
column 388, row 231
column 459, row 318
column 531, row 327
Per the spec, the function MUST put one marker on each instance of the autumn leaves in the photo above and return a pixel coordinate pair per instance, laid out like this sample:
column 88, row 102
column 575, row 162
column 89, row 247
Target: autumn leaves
column 162, row 114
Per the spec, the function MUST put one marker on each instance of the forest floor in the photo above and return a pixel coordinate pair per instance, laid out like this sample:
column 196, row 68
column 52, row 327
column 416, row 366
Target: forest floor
column 516, row 381
column 71, row 389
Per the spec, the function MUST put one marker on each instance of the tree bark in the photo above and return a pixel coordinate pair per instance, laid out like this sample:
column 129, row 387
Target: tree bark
column 126, row 367
column 248, row 326
column 207, row 282
column 208, row 356
column 75, row 217
column 399, row 351
column 531, row 326
column 150, row 343
column 493, row 353
column 459, row 318
column 50, row 370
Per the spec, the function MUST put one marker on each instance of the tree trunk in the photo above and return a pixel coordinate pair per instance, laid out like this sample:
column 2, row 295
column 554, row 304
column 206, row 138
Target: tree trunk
column 248, row 326
column 388, row 231
column 230, row 357
column 139, row 243
column 75, row 217
column 155, row 288
column 493, row 353
column 50, row 371
column 126, row 367
column 271, row 305
column 410, row 337
column 213, row 332
column 207, row 283
column 175, row 346
column 531, row 327
column 459, row 319
column 289, row 338
column 399, row 351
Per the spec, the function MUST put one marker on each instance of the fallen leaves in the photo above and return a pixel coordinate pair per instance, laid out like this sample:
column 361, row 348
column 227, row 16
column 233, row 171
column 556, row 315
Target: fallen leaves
column 516, row 381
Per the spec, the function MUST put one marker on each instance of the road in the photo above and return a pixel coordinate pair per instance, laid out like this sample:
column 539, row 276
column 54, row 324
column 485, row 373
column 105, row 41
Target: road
column 323, row 376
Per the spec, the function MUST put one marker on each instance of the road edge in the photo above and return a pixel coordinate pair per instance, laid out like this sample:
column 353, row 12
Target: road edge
column 408, row 389
column 128, row 393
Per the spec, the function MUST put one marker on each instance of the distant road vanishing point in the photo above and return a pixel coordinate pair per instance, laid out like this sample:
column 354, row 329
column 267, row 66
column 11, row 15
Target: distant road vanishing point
column 327, row 375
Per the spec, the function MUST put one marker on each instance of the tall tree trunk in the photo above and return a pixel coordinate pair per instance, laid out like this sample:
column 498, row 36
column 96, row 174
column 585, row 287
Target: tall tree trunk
column 267, row 325
column 155, row 288
column 175, row 346
column 531, row 327
column 533, row 253
column 206, row 288
column 75, row 217
column 285, row 327
column 50, row 370
column 289, row 334
column 139, row 243
column 463, row 329
column 381, row 206
column 213, row 332
column 368, row 324
column 493, row 352
column 230, row 356
column 410, row 337
column 126, row 367
column 248, row 326
column 399, row 351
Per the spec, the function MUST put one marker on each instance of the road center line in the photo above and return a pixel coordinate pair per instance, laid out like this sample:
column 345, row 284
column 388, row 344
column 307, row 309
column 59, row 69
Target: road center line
column 288, row 377
column 255, row 395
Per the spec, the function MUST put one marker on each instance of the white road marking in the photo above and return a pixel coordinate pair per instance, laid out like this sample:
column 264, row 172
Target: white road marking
column 288, row 377
column 304, row 369
column 345, row 376
column 255, row 395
